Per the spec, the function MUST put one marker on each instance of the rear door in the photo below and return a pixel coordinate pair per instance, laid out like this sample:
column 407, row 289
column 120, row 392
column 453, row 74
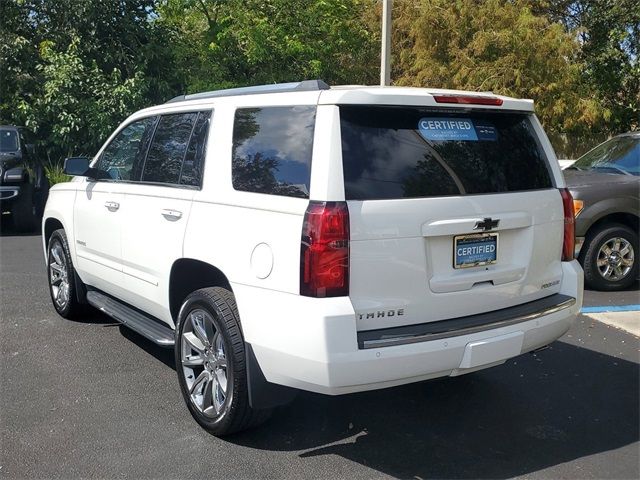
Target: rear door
column 453, row 212
column 158, row 207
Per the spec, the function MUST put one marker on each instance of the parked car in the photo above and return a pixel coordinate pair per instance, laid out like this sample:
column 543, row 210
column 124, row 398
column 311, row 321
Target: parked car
column 605, row 183
column 333, row 240
column 23, row 184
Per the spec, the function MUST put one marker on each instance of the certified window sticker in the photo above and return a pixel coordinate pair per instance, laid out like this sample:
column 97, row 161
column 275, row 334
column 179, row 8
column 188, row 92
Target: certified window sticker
column 455, row 129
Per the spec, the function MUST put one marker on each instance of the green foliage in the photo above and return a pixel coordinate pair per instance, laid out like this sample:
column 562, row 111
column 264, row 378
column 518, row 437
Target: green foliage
column 237, row 43
column 609, row 34
column 79, row 103
column 498, row 46
column 55, row 173
column 73, row 69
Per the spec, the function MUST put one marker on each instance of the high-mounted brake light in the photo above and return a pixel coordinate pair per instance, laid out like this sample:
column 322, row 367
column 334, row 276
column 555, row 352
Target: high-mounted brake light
column 468, row 99
column 324, row 250
column 569, row 242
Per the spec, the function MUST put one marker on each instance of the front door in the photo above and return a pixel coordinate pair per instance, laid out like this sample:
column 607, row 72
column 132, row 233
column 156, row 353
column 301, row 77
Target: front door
column 97, row 219
column 99, row 205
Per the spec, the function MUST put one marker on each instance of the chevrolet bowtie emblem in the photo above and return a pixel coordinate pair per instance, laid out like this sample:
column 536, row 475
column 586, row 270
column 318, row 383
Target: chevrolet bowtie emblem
column 486, row 224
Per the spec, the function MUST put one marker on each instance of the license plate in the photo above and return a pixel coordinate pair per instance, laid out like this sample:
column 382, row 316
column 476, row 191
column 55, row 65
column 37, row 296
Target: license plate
column 475, row 250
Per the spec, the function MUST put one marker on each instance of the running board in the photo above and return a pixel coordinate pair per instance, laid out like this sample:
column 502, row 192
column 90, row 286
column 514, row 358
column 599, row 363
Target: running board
column 134, row 319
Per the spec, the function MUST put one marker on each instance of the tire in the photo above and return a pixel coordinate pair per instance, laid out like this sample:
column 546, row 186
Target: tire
column 23, row 211
column 614, row 271
column 211, row 363
column 61, row 276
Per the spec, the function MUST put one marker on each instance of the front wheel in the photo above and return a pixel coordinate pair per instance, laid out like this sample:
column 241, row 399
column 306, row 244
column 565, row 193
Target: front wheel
column 62, row 276
column 211, row 363
column 610, row 260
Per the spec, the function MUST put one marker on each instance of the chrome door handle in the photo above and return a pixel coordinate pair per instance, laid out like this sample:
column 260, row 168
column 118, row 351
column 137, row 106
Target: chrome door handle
column 172, row 215
column 112, row 206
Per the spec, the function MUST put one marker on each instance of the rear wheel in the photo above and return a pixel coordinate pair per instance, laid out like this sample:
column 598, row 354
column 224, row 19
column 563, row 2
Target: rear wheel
column 211, row 363
column 610, row 261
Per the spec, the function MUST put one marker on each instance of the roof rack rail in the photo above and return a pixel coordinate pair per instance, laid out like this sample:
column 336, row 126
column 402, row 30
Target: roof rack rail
column 304, row 86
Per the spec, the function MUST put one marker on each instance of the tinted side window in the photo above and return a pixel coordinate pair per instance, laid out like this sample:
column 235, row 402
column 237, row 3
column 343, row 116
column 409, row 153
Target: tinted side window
column 194, row 159
column 168, row 148
column 272, row 150
column 8, row 141
column 398, row 152
column 121, row 157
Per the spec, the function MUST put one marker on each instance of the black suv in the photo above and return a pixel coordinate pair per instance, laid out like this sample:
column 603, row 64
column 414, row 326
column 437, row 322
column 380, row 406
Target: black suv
column 24, row 187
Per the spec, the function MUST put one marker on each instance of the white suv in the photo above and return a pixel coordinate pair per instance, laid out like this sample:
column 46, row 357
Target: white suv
column 334, row 240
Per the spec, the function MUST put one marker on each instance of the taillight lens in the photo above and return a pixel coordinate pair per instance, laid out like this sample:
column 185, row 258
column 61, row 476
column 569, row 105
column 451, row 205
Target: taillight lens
column 569, row 243
column 468, row 100
column 324, row 252
column 578, row 206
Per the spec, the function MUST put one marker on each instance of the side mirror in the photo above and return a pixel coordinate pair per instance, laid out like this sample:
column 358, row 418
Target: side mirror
column 77, row 166
column 14, row 175
column 31, row 148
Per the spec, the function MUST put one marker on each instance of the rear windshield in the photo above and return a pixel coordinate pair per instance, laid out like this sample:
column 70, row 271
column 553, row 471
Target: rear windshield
column 399, row 152
column 8, row 141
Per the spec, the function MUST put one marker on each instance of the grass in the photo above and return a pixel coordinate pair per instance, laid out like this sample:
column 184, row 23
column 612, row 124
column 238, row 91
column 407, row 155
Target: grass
column 54, row 173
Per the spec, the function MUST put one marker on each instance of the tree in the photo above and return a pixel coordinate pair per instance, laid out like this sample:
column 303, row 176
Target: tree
column 237, row 43
column 75, row 70
column 79, row 103
column 17, row 54
column 609, row 34
column 498, row 46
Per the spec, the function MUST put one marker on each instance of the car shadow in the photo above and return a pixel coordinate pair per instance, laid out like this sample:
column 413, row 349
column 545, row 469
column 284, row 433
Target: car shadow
column 7, row 229
column 532, row 413
column 164, row 355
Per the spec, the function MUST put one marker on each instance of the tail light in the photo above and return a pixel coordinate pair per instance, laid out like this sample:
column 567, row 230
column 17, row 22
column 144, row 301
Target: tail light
column 569, row 243
column 324, row 252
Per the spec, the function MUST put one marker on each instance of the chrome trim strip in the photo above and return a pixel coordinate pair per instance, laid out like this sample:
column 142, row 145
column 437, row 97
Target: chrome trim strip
column 406, row 339
column 14, row 192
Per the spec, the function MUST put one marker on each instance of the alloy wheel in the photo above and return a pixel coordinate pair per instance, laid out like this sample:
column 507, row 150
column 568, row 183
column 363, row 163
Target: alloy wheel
column 615, row 259
column 58, row 276
column 204, row 363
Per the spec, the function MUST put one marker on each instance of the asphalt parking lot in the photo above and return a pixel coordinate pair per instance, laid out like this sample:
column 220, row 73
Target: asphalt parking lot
column 93, row 399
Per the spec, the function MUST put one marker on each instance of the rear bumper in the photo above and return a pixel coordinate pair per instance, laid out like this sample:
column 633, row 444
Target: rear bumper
column 465, row 325
column 312, row 344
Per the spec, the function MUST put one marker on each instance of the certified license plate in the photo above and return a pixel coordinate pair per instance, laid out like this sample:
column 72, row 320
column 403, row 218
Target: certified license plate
column 475, row 250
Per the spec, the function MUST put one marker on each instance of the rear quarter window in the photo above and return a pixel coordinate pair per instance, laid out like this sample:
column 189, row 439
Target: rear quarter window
column 400, row 152
column 272, row 149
